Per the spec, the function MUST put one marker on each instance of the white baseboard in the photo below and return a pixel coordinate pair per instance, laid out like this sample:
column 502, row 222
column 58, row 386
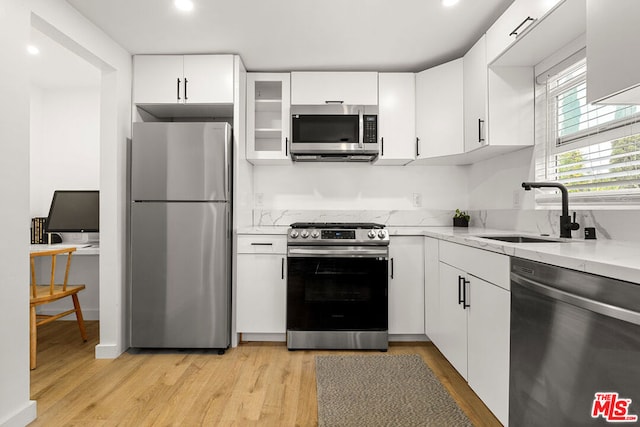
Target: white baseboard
column 283, row 337
column 23, row 417
column 108, row 351
column 408, row 338
column 264, row 337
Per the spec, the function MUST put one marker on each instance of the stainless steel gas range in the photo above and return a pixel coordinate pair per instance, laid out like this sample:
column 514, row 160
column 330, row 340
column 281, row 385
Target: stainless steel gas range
column 337, row 286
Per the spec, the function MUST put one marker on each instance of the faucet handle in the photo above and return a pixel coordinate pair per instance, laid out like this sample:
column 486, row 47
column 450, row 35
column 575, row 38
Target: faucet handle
column 574, row 225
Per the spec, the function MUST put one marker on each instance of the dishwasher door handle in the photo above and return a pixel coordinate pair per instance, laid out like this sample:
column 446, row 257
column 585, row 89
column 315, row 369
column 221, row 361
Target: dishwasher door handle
column 578, row 301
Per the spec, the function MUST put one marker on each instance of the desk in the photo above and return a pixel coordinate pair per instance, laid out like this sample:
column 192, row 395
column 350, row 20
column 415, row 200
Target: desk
column 85, row 269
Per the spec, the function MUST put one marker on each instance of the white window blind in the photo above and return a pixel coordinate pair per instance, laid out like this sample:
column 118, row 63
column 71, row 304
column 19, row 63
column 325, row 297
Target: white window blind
column 594, row 150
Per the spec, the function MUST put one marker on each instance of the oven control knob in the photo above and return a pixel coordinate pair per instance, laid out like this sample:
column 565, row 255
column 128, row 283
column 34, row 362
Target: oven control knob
column 293, row 234
column 304, row 234
column 382, row 234
column 315, row 234
column 371, row 234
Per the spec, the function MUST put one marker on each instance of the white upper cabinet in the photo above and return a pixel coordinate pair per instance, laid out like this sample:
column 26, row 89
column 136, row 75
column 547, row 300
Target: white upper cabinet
column 158, row 79
column 320, row 88
column 208, row 79
column 498, row 106
column 268, row 118
column 396, row 118
column 513, row 23
column 183, row 79
column 613, row 64
column 475, row 83
column 439, row 110
column 556, row 24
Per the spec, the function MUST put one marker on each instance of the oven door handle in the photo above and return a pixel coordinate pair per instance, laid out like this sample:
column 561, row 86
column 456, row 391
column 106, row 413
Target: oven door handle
column 339, row 252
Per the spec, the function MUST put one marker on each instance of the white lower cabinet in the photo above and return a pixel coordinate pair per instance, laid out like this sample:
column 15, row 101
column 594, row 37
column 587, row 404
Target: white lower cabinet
column 406, row 285
column 431, row 288
column 473, row 322
column 261, row 284
column 488, row 345
column 453, row 319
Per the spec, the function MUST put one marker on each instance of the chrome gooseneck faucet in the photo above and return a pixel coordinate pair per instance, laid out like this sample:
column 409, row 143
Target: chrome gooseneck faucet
column 566, row 224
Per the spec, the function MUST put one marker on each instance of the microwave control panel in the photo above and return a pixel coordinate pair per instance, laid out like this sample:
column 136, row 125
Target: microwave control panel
column 370, row 132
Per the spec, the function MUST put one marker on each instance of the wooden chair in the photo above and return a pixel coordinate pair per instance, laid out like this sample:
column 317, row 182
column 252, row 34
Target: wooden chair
column 44, row 294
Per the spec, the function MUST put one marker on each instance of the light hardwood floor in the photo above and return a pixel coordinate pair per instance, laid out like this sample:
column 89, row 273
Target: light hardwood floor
column 254, row 384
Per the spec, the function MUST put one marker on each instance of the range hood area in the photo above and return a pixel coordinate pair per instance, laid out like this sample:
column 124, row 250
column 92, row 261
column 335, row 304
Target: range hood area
column 361, row 158
column 334, row 133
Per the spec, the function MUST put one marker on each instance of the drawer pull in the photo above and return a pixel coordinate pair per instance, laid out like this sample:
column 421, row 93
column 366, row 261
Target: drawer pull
column 261, row 244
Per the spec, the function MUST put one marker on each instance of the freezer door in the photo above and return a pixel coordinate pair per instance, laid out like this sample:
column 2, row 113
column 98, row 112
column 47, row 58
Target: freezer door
column 180, row 285
column 180, row 161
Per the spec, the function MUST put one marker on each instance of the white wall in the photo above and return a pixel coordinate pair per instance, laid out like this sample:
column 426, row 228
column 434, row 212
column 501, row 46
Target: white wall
column 496, row 183
column 15, row 407
column 57, row 17
column 349, row 186
column 65, row 143
column 58, row 20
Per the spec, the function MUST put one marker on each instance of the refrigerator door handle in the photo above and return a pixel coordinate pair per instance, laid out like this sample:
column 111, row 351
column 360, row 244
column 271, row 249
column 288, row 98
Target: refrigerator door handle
column 227, row 169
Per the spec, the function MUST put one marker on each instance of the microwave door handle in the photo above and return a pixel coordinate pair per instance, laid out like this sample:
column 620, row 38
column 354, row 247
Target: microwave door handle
column 360, row 130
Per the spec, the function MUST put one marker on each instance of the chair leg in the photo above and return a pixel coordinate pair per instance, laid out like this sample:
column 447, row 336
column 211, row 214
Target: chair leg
column 76, row 305
column 33, row 337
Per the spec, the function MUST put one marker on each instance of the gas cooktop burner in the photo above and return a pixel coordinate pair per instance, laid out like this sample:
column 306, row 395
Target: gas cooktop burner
column 338, row 225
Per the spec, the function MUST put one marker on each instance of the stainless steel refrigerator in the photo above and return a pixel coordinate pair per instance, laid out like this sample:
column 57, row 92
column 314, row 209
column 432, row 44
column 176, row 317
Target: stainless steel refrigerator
column 180, row 235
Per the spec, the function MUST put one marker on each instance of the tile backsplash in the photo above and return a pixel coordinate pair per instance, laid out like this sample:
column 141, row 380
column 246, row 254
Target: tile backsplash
column 609, row 224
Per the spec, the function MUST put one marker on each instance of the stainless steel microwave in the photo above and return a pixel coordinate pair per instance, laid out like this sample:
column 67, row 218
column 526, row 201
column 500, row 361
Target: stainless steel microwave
column 338, row 135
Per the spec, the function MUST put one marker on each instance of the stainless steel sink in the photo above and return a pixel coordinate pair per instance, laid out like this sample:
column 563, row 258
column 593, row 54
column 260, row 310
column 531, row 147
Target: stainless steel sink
column 522, row 239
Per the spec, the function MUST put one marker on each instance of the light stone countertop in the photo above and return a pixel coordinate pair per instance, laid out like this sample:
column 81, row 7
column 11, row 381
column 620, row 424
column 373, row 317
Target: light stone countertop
column 617, row 259
column 610, row 258
column 263, row 230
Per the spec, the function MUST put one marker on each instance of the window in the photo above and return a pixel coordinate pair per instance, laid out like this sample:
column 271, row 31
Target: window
column 594, row 150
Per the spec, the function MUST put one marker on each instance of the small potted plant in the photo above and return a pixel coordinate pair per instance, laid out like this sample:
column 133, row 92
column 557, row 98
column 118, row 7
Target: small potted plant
column 461, row 219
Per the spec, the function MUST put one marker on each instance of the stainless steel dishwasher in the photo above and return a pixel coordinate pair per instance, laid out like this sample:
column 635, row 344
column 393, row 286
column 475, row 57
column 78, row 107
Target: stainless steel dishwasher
column 575, row 347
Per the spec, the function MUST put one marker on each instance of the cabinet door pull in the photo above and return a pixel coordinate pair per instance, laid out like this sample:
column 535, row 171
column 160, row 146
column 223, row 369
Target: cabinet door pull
column 185, row 88
column 480, row 129
column 286, row 146
column 392, row 268
column 382, row 146
column 515, row 32
column 282, row 271
column 464, row 294
column 460, row 279
column 334, row 102
column 417, row 147
column 178, row 89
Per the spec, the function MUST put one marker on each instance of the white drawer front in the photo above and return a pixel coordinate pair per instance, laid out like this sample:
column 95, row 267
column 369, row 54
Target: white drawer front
column 486, row 265
column 262, row 244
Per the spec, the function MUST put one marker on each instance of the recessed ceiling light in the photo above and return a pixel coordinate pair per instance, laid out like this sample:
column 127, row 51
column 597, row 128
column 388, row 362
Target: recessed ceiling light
column 183, row 5
column 33, row 50
column 449, row 2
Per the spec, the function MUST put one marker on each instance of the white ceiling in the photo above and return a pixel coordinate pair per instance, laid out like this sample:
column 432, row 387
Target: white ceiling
column 283, row 35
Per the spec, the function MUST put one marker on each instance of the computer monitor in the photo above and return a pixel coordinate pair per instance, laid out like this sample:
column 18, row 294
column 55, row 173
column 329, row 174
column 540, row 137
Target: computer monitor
column 74, row 211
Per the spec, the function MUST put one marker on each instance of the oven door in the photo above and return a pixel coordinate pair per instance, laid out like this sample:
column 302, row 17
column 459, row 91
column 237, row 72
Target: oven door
column 337, row 288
